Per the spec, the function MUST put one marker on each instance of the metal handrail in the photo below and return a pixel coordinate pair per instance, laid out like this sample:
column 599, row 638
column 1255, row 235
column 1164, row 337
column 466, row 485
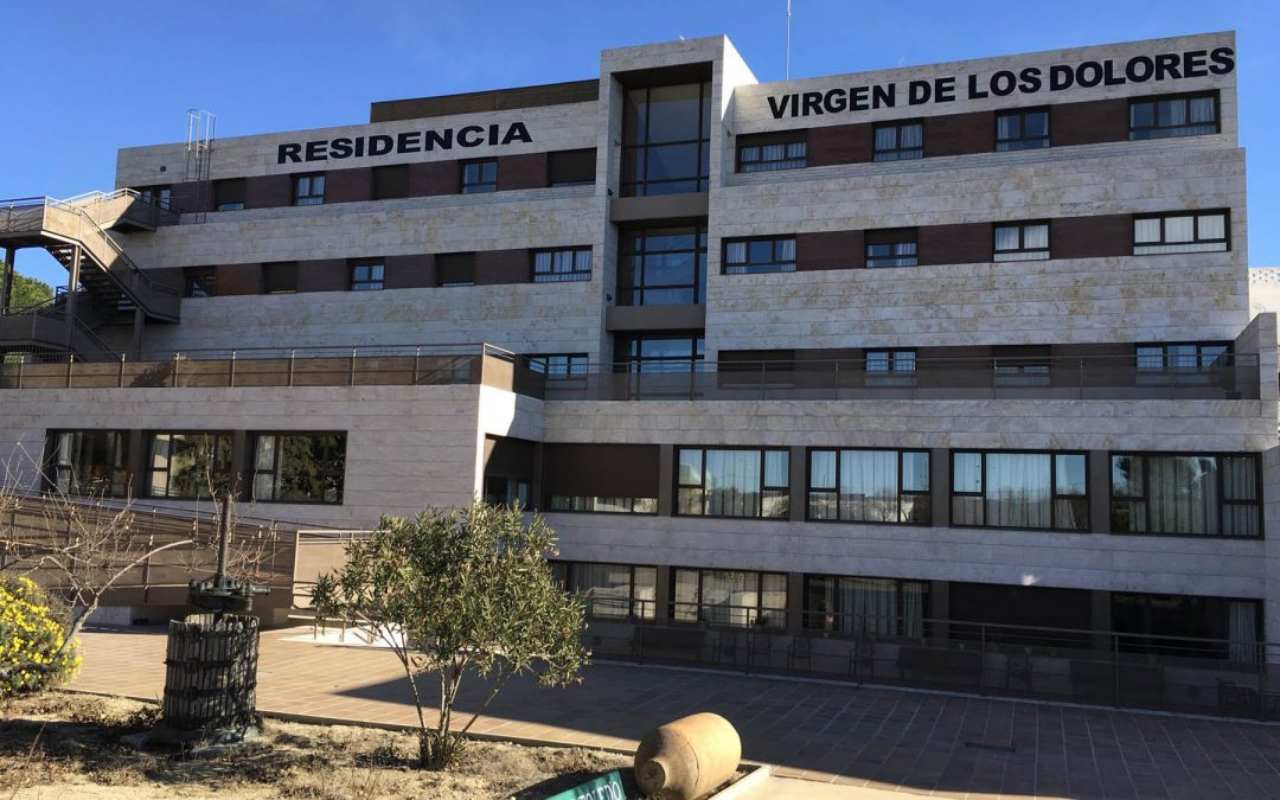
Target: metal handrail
column 680, row 366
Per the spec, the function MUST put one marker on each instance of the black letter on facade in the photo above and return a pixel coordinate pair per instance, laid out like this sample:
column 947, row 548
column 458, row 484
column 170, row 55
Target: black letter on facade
column 288, row 152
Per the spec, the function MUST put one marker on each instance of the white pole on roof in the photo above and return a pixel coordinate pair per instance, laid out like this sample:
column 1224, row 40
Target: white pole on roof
column 788, row 46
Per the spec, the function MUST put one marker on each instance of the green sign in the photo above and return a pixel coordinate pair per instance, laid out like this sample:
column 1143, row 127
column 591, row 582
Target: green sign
column 606, row 787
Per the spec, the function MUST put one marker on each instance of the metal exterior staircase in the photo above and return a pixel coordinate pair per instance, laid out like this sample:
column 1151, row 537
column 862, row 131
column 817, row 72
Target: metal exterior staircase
column 111, row 282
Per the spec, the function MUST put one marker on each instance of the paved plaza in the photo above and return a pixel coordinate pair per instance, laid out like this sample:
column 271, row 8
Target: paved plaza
column 929, row 744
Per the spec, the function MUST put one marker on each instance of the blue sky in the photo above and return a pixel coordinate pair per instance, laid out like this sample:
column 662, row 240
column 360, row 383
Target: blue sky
column 85, row 78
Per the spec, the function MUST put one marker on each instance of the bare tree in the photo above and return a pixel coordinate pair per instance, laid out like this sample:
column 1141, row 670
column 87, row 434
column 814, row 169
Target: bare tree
column 81, row 547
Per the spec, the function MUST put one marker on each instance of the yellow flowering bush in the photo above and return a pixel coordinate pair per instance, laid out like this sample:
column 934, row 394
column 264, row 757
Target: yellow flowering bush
column 31, row 637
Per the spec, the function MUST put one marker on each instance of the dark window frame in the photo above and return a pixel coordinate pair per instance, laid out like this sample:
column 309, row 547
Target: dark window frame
column 149, row 468
column 1146, row 455
column 893, row 356
column 636, row 363
column 809, row 490
column 639, row 186
column 254, row 437
column 572, row 362
column 749, row 267
column 1195, row 215
column 1022, row 141
column 635, row 499
column 1022, row 251
column 787, row 139
column 118, row 447
column 573, row 276
column 699, row 605
column 806, row 614
column 481, row 186
column 371, row 282
column 569, row 586
column 310, row 198
column 159, row 195
column 897, row 151
column 896, row 238
column 1167, row 359
column 1186, row 97
column 699, row 252
column 1053, row 490
column 761, row 487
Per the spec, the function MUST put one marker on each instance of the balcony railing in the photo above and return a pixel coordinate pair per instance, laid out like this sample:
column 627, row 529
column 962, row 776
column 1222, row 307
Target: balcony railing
column 1230, row 377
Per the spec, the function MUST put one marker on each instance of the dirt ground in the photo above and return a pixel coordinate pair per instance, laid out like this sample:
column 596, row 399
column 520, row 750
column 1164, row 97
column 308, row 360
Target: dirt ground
column 64, row 745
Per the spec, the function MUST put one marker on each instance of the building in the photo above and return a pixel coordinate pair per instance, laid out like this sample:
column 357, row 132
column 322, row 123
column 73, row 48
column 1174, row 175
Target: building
column 906, row 355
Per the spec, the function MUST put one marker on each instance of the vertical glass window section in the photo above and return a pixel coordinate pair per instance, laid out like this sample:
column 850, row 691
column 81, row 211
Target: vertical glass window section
column 367, row 277
column 769, row 152
column 308, row 190
column 93, row 463
column 855, row 606
column 892, row 248
column 1195, row 495
column 755, row 256
column 559, row 365
column 185, row 466
column 898, row 141
column 886, row 486
column 733, row 483
column 1181, row 232
column 1022, row 130
column 1182, row 356
column 1022, row 241
column 1047, row 491
column 1164, row 118
column 480, row 176
column 666, row 139
column 890, row 362
column 663, row 266
column 158, row 196
column 559, row 266
column 614, row 591
column 730, row 598
column 659, row 353
column 299, row 467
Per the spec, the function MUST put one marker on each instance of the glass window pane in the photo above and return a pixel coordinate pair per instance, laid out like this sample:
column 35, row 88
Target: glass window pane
column 967, row 472
column 1007, row 237
column 869, row 485
column 1017, row 490
column 915, row 472
column 1008, row 126
column 1035, row 237
column 886, row 138
column 1146, row 230
column 822, row 469
column 266, row 457
column 674, row 113
column 777, row 468
column 690, row 467
column 1202, row 111
column 1070, row 474
column 1036, row 124
column 735, row 252
column 1179, row 229
column 1142, row 115
column 911, row 136
column 733, row 483
column 1213, row 226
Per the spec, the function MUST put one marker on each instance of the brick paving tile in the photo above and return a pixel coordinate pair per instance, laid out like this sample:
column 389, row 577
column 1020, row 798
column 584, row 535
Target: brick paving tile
column 940, row 745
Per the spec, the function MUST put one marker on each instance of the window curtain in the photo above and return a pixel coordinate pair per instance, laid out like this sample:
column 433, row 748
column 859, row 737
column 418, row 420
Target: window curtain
column 729, row 597
column 1242, row 623
column 686, row 605
column 1007, row 238
column 1213, row 226
column 911, row 136
column 869, row 485
column 913, row 594
column 1035, row 237
column 1017, row 490
column 1179, row 229
column 733, row 483
column 1240, row 496
column 1007, row 126
column 869, row 606
column 1183, row 495
column 1202, row 111
column 886, row 138
column 786, row 250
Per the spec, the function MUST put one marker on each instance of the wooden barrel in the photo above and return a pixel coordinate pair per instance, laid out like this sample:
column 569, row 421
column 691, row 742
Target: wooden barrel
column 211, row 676
column 688, row 758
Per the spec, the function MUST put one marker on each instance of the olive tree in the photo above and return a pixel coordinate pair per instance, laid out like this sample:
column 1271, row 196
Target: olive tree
column 455, row 590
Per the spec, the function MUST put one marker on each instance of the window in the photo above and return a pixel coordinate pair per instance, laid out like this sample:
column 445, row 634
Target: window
column 605, row 505
column 456, row 269
column 366, row 277
column 865, row 606
column 571, row 167
column 659, row 353
column 299, row 467
column 890, row 362
column 1180, row 232
column 280, row 278
column 666, row 147
column 1019, row 490
column 559, row 365
column 504, row 490
column 772, row 151
column 1195, row 495
column 733, row 482
column 754, row 256
column 1146, row 619
column 308, row 190
column 869, row 486
column 480, row 176
column 613, row 591
column 1022, row 241
column 158, row 196
column 1167, row 117
column 1022, row 130
column 891, row 248
column 228, row 194
column 898, row 141
column 662, row 266
column 1188, row 356
column 92, row 463
column 199, row 282
column 184, row 466
column 391, row 182
column 731, row 598
column 563, row 265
